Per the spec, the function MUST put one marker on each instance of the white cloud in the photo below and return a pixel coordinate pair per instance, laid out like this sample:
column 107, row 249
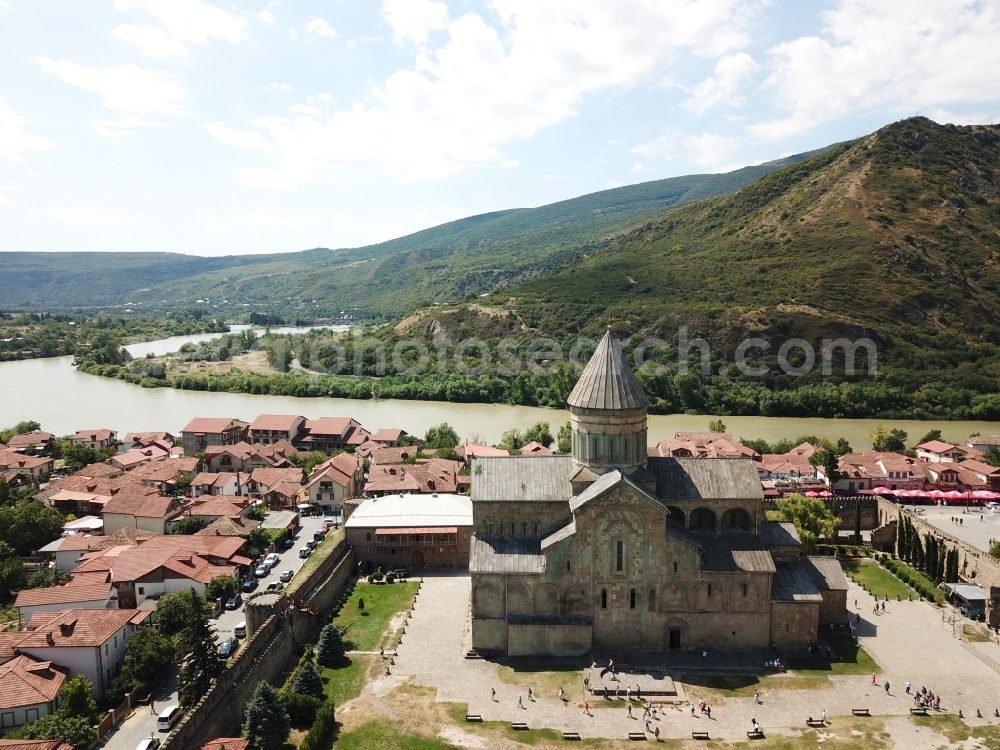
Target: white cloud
column 946, row 116
column 246, row 140
column 124, row 88
column 725, row 85
column 541, row 60
column 124, row 126
column 265, row 16
column 319, row 29
column 708, row 151
column 275, row 87
column 151, row 41
column 192, row 21
column 87, row 217
column 4, row 5
column 262, row 219
column 414, row 20
column 14, row 141
column 885, row 55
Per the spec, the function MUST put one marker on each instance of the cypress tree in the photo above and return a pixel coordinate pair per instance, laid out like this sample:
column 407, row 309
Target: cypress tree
column 930, row 561
column 307, row 681
column 857, row 520
column 265, row 721
column 201, row 656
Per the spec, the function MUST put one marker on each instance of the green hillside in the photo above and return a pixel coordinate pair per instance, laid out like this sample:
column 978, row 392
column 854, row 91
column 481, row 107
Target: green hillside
column 445, row 263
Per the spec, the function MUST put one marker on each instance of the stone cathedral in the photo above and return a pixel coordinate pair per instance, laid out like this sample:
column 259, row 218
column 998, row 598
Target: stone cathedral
column 609, row 549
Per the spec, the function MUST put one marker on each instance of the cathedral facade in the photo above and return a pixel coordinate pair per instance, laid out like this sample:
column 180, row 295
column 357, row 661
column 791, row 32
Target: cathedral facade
column 609, row 549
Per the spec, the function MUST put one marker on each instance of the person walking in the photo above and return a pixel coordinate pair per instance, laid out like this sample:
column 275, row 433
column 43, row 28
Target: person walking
column 692, row 710
column 822, row 716
column 493, row 694
column 586, row 709
column 907, row 687
column 886, row 687
column 562, row 694
column 704, row 654
column 756, row 697
column 520, row 703
column 874, row 680
column 656, row 734
column 630, row 711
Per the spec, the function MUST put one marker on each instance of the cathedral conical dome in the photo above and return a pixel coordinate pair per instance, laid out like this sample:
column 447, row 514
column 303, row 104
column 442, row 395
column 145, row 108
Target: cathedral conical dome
column 608, row 411
column 607, row 382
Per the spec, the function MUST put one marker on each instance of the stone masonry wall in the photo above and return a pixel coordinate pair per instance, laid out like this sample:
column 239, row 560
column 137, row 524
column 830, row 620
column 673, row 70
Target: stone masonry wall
column 277, row 630
column 974, row 565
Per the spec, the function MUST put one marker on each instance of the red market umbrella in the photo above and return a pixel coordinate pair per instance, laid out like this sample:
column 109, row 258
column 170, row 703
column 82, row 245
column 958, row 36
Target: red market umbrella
column 812, row 493
column 825, row 493
column 936, row 494
column 883, row 491
column 953, row 495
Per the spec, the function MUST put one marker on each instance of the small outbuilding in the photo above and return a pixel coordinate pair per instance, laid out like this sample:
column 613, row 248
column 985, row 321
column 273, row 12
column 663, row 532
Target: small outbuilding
column 970, row 597
column 412, row 530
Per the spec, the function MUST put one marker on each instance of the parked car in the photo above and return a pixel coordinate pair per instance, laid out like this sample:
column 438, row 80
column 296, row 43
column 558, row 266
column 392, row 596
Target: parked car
column 305, row 552
column 272, row 560
column 286, row 576
column 311, row 544
column 249, row 585
column 319, row 536
column 240, row 631
column 288, row 543
column 150, row 743
column 167, row 717
column 275, row 586
column 234, row 602
column 227, row 647
column 263, row 571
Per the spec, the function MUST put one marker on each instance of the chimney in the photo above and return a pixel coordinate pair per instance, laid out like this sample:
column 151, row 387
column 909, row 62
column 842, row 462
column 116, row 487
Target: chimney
column 49, row 639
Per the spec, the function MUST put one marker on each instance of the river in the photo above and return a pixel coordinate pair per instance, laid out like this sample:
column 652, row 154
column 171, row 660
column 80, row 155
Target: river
column 64, row 400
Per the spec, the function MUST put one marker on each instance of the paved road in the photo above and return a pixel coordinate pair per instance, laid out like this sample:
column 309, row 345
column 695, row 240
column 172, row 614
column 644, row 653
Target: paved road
column 142, row 722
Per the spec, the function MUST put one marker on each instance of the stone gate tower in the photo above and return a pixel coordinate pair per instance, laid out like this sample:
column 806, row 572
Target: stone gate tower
column 608, row 412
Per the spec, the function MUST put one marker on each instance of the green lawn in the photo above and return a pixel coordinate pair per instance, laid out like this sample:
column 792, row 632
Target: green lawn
column 545, row 683
column 343, row 683
column 879, row 581
column 319, row 554
column 744, row 686
column 848, row 659
column 386, row 737
column 365, row 629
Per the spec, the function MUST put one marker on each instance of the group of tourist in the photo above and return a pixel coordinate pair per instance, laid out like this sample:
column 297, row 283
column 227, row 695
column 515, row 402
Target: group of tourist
column 924, row 698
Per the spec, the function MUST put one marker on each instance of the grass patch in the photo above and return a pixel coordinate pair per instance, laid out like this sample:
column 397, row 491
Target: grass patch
column 744, row 686
column 344, row 683
column 544, row 683
column 958, row 731
column 457, row 712
column 848, row 659
column 975, row 633
column 322, row 551
column 364, row 629
column 876, row 579
column 387, row 737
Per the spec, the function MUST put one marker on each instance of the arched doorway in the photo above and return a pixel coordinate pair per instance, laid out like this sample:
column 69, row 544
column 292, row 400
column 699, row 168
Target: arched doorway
column 736, row 519
column 701, row 519
column 417, row 559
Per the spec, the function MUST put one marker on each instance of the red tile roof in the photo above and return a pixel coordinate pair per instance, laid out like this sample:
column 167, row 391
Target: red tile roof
column 331, row 426
column 34, row 745
column 226, row 743
column 91, row 435
column 938, row 446
column 394, row 455
column 470, row 450
column 213, row 425
column 70, row 593
column 148, row 506
column 358, row 436
column 386, row 435
column 147, row 437
column 26, row 681
column 534, row 448
column 217, row 505
column 37, row 437
column 138, row 456
column 391, row 478
column 279, row 422
column 10, row 459
column 979, row 467
column 74, row 627
column 98, row 470
column 270, row 477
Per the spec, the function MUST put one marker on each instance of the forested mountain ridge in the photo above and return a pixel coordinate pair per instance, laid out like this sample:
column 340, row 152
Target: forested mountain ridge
column 473, row 255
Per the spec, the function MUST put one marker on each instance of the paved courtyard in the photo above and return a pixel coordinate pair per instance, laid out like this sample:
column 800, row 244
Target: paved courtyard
column 910, row 642
column 977, row 527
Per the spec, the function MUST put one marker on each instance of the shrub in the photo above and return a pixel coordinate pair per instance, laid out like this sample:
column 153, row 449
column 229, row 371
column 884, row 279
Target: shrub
column 321, row 732
column 390, row 577
column 301, row 708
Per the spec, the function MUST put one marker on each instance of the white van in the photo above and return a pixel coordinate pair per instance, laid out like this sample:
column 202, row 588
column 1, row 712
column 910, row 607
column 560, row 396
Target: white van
column 240, row 631
column 167, row 717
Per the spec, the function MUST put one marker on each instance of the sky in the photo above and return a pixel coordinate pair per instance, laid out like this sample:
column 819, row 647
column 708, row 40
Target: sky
column 279, row 125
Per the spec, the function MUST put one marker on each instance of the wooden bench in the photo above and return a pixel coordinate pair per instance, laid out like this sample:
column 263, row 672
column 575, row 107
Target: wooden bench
column 571, row 736
column 519, row 725
column 699, row 735
column 861, row 712
column 815, row 723
column 473, row 717
column 752, row 735
column 918, row 711
column 634, row 736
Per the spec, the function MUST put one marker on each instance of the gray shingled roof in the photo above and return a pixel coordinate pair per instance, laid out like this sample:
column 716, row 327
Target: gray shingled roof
column 602, row 485
column 522, row 478
column 607, row 382
column 827, row 573
column 496, row 554
column 793, row 582
column 776, row 534
column 559, row 534
column 730, row 553
column 709, row 478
